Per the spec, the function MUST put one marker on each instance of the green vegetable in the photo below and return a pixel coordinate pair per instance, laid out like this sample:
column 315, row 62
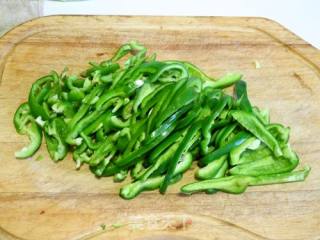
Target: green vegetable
column 26, row 125
column 133, row 116
column 238, row 184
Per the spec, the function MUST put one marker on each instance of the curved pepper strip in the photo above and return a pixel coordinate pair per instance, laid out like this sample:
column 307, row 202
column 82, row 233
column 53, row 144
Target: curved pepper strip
column 221, row 173
column 146, row 89
column 168, row 67
column 132, row 190
column 235, row 154
column 238, row 139
column 26, row 125
column 169, row 98
column 253, row 125
column 262, row 115
column 54, row 132
column 280, row 132
column 251, row 155
column 224, row 134
column 211, row 170
column 269, row 164
column 150, row 100
column 184, row 96
column 238, row 184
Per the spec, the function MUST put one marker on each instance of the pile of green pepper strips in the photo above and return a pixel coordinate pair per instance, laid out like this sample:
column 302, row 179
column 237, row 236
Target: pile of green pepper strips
column 153, row 119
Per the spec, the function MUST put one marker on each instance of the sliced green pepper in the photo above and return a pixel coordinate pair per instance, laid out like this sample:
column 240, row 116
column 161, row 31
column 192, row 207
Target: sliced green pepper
column 26, row 125
column 253, row 125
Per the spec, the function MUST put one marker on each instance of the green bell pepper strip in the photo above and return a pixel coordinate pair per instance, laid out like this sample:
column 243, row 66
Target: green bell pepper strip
column 37, row 94
column 26, row 125
column 127, row 111
column 196, row 72
column 154, row 114
column 91, row 143
column 211, row 96
column 170, row 97
column 100, row 153
column 280, row 132
column 132, row 190
column 189, row 118
column 161, row 160
column 186, row 143
column 93, row 117
column 102, row 69
column 164, row 145
column 77, row 155
column 120, row 176
column 211, row 170
column 168, row 67
column 268, row 165
column 150, row 100
column 109, row 170
column 217, row 125
column 240, row 91
column 167, row 124
column 238, row 184
column 54, row 132
column 132, row 64
column 187, row 94
column 221, row 173
column 225, row 81
column 207, row 125
column 87, row 102
column 146, row 89
column 224, row 134
column 99, row 170
column 262, row 115
column 238, row 139
column 136, row 130
column 132, row 46
column 235, row 154
column 138, row 170
column 131, row 158
column 253, row 125
column 251, row 155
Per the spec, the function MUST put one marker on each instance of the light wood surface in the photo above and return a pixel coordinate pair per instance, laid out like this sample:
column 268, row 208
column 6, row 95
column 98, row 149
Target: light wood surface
column 44, row 200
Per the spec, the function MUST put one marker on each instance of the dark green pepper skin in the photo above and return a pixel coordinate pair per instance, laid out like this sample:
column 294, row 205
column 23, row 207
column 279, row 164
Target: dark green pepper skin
column 186, row 143
column 238, row 139
column 26, row 125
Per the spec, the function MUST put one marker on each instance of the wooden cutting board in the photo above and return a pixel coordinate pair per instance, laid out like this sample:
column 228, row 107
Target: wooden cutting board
column 44, row 200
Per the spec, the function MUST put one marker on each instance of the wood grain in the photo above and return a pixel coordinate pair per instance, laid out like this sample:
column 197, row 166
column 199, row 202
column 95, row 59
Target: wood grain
column 43, row 200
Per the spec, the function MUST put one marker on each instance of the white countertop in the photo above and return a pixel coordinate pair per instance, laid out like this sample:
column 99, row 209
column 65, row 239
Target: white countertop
column 300, row 16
